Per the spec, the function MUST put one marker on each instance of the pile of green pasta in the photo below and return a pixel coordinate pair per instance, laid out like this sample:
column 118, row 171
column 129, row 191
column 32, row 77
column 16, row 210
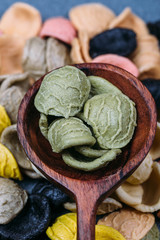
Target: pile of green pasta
column 92, row 119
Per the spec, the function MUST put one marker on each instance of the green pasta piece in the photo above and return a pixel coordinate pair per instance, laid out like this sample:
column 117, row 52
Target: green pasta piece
column 100, row 85
column 89, row 164
column 112, row 118
column 43, row 125
column 90, row 152
column 63, row 92
column 65, row 133
column 153, row 234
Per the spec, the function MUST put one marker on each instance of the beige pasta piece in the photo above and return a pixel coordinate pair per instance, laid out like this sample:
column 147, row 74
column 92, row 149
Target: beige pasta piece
column 92, row 18
column 57, row 54
column 10, row 139
column 129, row 20
column 84, row 43
column 31, row 173
column 21, row 20
column 146, row 195
column 155, row 149
column 147, row 57
column 143, row 172
column 11, row 49
column 34, row 59
column 132, row 224
column 37, row 171
column 12, row 200
column 107, row 206
column 130, row 194
column 11, row 99
column 20, row 79
column 76, row 54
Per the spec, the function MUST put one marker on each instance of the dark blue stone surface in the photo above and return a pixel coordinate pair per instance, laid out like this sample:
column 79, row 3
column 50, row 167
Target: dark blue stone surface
column 149, row 10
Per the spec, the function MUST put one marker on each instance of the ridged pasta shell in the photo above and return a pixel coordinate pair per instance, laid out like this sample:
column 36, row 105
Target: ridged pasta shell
column 12, row 200
column 43, row 125
column 155, row 149
column 107, row 206
column 89, row 164
column 10, row 139
column 57, row 54
column 92, row 18
column 143, row 172
column 11, row 99
column 100, row 85
column 20, row 80
column 8, row 165
column 132, row 224
column 90, row 152
column 113, row 119
column 63, row 92
column 153, row 234
column 144, row 197
column 34, row 59
column 66, row 133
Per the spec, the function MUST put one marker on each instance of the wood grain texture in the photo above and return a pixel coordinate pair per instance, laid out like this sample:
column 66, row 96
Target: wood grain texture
column 90, row 188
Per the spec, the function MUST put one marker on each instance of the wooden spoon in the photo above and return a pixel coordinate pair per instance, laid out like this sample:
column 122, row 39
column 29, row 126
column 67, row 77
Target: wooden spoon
column 89, row 189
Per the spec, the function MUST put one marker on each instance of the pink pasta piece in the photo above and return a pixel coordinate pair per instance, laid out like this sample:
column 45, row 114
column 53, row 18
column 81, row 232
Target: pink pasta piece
column 119, row 61
column 59, row 28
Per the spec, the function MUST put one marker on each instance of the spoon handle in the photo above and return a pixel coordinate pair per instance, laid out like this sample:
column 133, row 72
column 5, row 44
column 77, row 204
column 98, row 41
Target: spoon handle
column 86, row 215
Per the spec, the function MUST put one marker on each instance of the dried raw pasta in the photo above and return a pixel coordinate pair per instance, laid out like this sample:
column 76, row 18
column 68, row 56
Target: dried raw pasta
column 12, row 200
column 133, row 225
column 107, row 206
column 155, row 149
column 144, row 197
column 22, row 20
column 8, row 165
column 57, row 54
column 4, row 119
column 91, row 18
column 129, row 20
column 76, row 51
column 34, row 59
column 143, row 172
column 11, row 50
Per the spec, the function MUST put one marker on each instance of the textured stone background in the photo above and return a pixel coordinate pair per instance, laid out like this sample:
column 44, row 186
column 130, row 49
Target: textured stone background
column 149, row 10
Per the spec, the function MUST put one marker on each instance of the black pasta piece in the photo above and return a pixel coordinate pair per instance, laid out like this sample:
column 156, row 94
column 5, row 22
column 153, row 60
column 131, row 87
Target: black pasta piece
column 121, row 41
column 33, row 220
column 154, row 28
column 28, row 183
column 53, row 193
column 153, row 85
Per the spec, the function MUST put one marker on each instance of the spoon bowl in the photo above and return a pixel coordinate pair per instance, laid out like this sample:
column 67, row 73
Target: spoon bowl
column 90, row 188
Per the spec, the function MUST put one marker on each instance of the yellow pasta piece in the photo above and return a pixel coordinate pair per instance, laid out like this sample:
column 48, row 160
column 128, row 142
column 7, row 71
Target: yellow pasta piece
column 8, row 165
column 65, row 228
column 4, row 119
column 107, row 233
